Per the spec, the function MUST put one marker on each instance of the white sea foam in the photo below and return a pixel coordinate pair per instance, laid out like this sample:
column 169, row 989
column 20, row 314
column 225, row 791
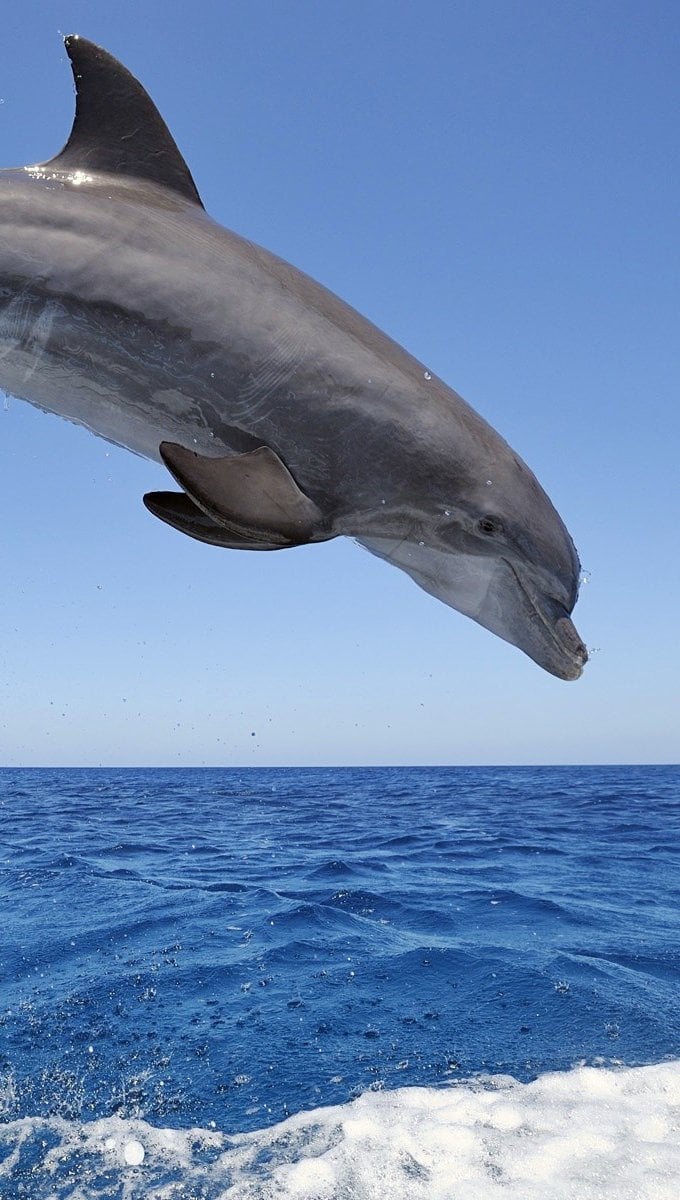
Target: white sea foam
column 585, row 1134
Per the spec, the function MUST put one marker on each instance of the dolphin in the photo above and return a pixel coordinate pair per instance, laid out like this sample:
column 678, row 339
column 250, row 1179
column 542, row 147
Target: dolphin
column 284, row 416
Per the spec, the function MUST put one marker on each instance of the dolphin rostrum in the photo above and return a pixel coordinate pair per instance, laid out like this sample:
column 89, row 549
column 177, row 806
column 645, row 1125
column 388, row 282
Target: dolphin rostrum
column 284, row 416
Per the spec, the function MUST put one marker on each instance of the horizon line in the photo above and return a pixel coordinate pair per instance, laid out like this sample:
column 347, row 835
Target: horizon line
column 321, row 766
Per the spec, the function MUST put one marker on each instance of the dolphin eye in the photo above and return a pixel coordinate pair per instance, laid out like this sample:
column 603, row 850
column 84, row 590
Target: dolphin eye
column 489, row 526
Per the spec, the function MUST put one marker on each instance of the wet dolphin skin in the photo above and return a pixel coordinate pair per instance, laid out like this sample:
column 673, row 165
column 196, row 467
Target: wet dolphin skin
column 284, row 416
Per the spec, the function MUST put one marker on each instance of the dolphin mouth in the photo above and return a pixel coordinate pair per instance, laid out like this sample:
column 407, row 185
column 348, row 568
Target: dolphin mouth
column 492, row 593
column 574, row 651
column 562, row 651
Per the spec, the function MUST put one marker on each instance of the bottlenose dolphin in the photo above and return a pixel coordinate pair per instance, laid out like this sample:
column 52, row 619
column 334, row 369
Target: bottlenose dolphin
column 284, row 415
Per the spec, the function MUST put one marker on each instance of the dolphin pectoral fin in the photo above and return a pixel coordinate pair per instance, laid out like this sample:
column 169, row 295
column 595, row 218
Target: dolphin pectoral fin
column 253, row 496
column 182, row 514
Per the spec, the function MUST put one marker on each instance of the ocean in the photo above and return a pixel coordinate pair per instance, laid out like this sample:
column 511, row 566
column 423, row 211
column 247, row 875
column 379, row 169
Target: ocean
column 340, row 983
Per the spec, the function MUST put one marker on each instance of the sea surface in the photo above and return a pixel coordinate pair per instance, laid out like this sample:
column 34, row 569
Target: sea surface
column 340, row 984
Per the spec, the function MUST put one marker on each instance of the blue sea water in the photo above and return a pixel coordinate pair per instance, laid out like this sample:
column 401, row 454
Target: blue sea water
column 220, row 949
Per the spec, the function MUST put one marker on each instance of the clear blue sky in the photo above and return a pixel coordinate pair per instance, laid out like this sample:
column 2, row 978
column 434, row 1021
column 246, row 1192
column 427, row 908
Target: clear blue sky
column 497, row 185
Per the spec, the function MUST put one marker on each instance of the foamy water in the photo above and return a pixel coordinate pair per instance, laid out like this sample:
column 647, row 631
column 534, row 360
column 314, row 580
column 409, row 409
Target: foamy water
column 585, row 1134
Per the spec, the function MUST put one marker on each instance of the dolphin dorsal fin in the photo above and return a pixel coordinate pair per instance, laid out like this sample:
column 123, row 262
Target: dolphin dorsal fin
column 117, row 127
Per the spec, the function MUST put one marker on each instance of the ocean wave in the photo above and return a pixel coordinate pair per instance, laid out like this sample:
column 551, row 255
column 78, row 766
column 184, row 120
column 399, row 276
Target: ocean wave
column 240, row 946
column 588, row 1133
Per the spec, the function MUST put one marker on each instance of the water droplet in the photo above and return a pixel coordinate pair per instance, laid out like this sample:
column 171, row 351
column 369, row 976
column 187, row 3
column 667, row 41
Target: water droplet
column 133, row 1153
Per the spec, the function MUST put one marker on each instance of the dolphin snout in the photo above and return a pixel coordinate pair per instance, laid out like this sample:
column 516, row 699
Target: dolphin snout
column 575, row 650
column 541, row 626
